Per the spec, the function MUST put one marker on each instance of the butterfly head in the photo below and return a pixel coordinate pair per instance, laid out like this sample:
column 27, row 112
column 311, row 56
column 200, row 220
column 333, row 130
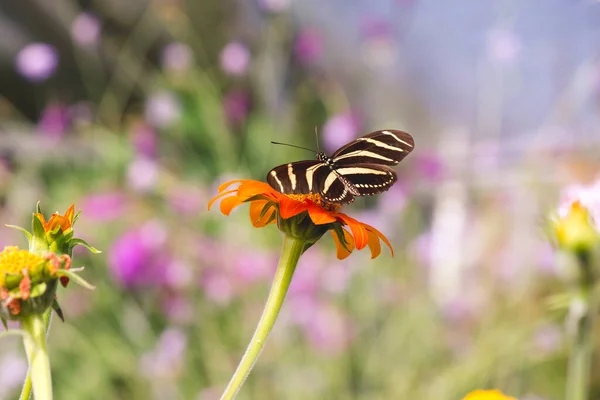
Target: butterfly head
column 322, row 157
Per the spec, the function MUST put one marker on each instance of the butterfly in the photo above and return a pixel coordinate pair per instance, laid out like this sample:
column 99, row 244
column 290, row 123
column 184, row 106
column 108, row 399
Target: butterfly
column 360, row 168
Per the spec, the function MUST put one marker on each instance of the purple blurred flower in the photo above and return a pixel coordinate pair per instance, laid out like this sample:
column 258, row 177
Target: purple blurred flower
column 587, row 195
column 548, row 339
column 142, row 174
column 340, row 129
column 379, row 47
column 177, row 57
column 394, row 200
column 144, row 141
column 251, row 267
column 162, row 109
column 308, row 45
column 85, row 29
column 274, row 6
column 138, row 257
column 37, row 61
column 13, row 369
column 235, row 58
column 503, row 46
column 236, row 104
column 329, row 330
column 218, row 287
column 430, row 166
column 187, row 200
column 103, row 206
column 167, row 359
column 375, row 27
column 178, row 309
column 54, row 121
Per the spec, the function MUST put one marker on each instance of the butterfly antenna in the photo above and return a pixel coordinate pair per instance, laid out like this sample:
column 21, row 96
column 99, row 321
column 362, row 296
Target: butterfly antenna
column 291, row 145
column 317, row 138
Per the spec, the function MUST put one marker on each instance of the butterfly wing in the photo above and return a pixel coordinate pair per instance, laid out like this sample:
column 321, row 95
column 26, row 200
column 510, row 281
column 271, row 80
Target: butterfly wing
column 385, row 147
column 299, row 177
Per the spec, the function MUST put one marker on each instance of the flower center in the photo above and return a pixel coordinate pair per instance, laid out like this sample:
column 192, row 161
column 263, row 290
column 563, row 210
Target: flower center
column 13, row 261
column 315, row 198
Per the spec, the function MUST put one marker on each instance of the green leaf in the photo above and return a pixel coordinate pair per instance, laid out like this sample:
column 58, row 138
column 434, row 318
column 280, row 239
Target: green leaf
column 77, row 241
column 4, row 323
column 25, row 231
column 75, row 278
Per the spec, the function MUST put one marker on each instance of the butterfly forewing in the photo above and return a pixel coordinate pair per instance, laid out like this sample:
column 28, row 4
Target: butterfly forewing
column 385, row 147
column 297, row 177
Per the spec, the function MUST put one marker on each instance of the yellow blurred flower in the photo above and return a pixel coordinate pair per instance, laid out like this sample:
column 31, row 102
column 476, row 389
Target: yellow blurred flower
column 487, row 395
column 576, row 231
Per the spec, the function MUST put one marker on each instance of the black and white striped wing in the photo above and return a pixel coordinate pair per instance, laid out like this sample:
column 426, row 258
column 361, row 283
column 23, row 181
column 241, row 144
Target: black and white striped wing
column 385, row 147
column 298, row 177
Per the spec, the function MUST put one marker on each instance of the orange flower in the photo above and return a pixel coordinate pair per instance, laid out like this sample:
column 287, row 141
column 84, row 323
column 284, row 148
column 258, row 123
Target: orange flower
column 65, row 222
column 268, row 206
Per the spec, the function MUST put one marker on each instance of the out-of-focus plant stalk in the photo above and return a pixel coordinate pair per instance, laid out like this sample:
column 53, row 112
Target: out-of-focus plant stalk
column 37, row 355
column 292, row 249
column 580, row 326
column 26, row 391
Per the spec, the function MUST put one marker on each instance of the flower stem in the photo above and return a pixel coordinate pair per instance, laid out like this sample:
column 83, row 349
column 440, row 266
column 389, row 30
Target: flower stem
column 37, row 356
column 26, row 391
column 292, row 249
column 580, row 324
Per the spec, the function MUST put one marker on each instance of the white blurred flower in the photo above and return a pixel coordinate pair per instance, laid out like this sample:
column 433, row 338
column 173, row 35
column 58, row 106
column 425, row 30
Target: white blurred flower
column 37, row 61
column 235, row 58
column 162, row 109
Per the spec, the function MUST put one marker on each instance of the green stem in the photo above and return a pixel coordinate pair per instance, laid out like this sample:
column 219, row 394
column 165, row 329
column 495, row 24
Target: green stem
column 37, row 356
column 292, row 249
column 581, row 319
column 26, row 391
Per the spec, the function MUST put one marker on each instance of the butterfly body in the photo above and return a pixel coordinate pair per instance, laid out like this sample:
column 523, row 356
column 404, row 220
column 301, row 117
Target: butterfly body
column 360, row 168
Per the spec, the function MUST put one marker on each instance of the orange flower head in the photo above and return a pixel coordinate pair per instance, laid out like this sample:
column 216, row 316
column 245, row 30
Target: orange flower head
column 301, row 216
column 64, row 222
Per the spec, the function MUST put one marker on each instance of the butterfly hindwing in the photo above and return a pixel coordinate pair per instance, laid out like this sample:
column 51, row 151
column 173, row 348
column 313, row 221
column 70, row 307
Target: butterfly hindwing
column 385, row 147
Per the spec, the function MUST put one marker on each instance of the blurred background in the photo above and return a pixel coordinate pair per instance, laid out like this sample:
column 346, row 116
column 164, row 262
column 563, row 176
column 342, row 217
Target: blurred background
column 135, row 111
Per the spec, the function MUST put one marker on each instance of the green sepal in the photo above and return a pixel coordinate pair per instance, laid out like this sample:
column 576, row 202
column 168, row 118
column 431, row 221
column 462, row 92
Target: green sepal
column 75, row 278
column 58, row 310
column 339, row 232
column 25, row 231
column 13, row 332
column 12, row 280
column 38, row 208
column 37, row 228
column 4, row 323
column 77, row 241
column 75, row 218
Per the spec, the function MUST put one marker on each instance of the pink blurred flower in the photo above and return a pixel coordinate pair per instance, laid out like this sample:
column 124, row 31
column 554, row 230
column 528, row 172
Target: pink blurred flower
column 503, row 46
column 142, row 174
column 162, row 109
column 187, row 200
column 85, row 29
column 218, row 287
column 235, row 58
column 548, row 339
column 340, row 129
column 177, row 57
column 329, row 330
column 54, row 121
column 104, row 206
column 254, row 266
column 308, row 45
column 37, row 61
column 236, row 104
column 178, row 309
column 430, row 166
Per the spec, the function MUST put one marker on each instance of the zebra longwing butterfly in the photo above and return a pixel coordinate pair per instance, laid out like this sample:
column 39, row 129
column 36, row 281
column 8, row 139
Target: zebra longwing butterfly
column 360, row 168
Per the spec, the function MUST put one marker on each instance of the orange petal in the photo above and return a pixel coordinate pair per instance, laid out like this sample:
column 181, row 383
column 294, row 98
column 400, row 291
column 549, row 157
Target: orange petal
column 229, row 203
column 42, row 219
column 256, row 208
column 341, row 252
column 290, row 207
column 358, row 230
column 250, row 188
column 318, row 214
column 374, row 244
column 70, row 213
column 378, row 235
column 217, row 197
column 225, row 185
